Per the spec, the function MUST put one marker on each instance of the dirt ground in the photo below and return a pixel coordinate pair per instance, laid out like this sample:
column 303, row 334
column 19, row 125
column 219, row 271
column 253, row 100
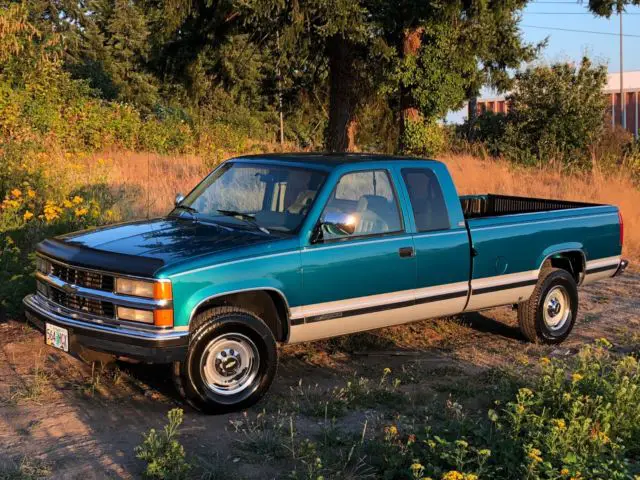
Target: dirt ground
column 79, row 420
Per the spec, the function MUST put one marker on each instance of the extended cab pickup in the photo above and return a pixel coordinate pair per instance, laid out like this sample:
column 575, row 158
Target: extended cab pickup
column 297, row 247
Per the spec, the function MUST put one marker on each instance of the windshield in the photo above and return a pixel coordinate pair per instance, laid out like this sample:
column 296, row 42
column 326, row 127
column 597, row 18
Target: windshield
column 269, row 197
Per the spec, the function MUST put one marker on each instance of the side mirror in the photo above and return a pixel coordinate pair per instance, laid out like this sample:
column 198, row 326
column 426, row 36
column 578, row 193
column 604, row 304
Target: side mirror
column 179, row 199
column 339, row 223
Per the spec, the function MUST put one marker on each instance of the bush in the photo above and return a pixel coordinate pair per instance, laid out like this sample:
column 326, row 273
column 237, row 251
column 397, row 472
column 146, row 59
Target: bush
column 423, row 138
column 555, row 113
column 163, row 453
column 579, row 419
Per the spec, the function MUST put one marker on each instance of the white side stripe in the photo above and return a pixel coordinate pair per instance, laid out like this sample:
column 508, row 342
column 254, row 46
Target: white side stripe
column 603, row 262
column 376, row 300
column 504, row 279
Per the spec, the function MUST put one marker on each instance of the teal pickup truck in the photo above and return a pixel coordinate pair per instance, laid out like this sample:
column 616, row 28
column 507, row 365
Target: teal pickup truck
column 298, row 247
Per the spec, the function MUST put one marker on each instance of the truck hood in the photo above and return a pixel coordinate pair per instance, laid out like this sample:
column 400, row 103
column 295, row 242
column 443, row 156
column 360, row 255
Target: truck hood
column 143, row 247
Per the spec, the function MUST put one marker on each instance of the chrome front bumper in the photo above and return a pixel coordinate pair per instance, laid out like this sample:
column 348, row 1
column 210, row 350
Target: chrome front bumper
column 160, row 346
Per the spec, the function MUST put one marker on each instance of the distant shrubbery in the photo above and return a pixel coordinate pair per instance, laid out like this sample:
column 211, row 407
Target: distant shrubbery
column 557, row 116
column 48, row 119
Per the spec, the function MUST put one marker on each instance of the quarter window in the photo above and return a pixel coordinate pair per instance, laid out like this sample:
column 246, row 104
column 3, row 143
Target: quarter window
column 363, row 203
column 427, row 200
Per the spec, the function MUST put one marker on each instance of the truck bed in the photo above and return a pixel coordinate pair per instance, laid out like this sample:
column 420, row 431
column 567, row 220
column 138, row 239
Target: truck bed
column 491, row 205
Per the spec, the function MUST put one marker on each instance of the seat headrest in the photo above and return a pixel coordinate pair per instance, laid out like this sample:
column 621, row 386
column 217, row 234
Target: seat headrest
column 374, row 203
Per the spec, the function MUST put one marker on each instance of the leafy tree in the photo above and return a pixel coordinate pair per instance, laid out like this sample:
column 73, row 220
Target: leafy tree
column 555, row 113
column 606, row 8
column 449, row 51
column 430, row 55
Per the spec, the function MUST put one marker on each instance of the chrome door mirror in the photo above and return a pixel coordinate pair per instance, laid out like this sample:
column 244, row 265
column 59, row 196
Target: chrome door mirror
column 179, row 199
column 340, row 223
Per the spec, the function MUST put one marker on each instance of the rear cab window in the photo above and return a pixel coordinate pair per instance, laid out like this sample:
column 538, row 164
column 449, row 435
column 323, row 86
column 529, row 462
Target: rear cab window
column 427, row 199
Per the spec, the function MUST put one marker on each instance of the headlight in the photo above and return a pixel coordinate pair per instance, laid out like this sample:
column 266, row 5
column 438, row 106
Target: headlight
column 135, row 315
column 43, row 265
column 138, row 288
column 158, row 289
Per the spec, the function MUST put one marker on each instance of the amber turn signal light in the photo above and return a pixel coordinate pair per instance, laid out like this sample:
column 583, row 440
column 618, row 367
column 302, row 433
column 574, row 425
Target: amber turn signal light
column 163, row 317
column 162, row 291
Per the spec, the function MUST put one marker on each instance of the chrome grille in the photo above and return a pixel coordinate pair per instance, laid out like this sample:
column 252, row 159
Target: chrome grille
column 83, row 278
column 74, row 302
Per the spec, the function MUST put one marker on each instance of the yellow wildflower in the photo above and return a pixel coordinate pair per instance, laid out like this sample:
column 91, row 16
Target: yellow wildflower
column 534, row 454
column 31, row 193
column 462, row 443
column 77, row 200
column 81, row 212
column 525, row 392
column 386, row 371
column 559, row 423
column 485, row 452
column 576, row 377
column 566, row 396
column 470, row 476
column 417, row 469
column 545, row 361
column 453, row 475
column 67, row 204
column 27, row 215
column 51, row 211
column 16, row 193
column 564, row 472
column 520, row 409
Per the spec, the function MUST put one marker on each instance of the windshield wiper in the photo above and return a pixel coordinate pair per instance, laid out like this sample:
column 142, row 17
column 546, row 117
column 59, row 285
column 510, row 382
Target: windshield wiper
column 187, row 208
column 248, row 217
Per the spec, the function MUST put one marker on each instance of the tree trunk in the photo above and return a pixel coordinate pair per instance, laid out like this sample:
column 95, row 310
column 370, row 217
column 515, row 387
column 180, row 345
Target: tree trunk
column 342, row 98
column 472, row 115
column 408, row 112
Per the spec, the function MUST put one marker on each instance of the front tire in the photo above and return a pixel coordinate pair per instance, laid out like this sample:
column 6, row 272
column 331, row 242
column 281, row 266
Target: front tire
column 550, row 313
column 231, row 361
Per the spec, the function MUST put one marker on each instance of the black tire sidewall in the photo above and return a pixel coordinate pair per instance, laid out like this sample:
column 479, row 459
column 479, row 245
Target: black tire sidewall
column 556, row 278
column 194, row 384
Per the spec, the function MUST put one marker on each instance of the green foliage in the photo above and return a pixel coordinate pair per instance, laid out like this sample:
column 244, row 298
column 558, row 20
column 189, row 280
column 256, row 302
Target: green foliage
column 488, row 128
column 423, row 138
column 164, row 455
column 555, row 113
column 606, row 8
column 578, row 419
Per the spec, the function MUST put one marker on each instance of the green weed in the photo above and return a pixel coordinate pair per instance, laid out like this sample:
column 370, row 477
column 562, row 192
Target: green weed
column 163, row 454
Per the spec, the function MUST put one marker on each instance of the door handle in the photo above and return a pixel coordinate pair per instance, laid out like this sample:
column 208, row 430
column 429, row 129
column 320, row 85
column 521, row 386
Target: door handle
column 406, row 252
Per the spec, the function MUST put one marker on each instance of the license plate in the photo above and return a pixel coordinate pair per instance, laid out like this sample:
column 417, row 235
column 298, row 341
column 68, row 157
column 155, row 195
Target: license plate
column 57, row 337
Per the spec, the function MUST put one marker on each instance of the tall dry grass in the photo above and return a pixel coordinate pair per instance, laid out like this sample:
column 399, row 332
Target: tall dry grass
column 148, row 184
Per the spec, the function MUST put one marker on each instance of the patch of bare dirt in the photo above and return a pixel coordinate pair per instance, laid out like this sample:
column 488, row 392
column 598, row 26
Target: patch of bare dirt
column 85, row 420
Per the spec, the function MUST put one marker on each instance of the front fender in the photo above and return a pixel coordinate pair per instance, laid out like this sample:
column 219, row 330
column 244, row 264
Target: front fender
column 279, row 273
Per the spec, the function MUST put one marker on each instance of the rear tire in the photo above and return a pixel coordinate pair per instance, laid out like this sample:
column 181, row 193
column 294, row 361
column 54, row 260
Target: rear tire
column 231, row 361
column 550, row 313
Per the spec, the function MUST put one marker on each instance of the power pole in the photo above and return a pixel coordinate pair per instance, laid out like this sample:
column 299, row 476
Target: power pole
column 280, row 91
column 623, row 113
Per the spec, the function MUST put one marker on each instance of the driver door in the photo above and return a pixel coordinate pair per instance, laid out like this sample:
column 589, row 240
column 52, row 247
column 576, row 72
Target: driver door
column 363, row 280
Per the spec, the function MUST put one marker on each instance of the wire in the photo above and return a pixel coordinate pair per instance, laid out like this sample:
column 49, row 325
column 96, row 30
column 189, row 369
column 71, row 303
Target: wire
column 571, row 13
column 580, row 31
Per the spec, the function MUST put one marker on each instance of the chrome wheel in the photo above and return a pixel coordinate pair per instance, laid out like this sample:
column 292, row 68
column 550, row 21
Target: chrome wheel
column 556, row 308
column 230, row 364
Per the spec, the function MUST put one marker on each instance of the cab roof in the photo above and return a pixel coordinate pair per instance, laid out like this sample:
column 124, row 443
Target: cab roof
column 327, row 160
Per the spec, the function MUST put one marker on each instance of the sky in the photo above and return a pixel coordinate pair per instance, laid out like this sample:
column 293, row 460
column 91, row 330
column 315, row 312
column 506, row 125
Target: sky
column 562, row 45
